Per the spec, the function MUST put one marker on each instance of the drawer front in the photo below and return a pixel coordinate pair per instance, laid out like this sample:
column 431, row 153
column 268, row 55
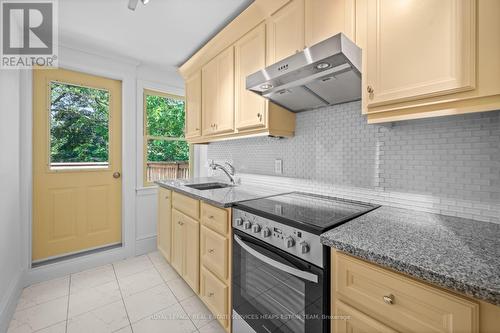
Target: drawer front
column 215, row 218
column 357, row 321
column 401, row 302
column 186, row 205
column 215, row 295
column 214, row 252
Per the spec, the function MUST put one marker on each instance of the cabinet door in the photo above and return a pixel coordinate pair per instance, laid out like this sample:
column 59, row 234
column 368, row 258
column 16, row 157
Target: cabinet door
column 419, row 48
column 177, row 254
column 164, row 228
column 209, row 96
column 225, row 92
column 325, row 18
column 193, row 106
column 250, row 56
column 191, row 270
column 357, row 322
column 286, row 31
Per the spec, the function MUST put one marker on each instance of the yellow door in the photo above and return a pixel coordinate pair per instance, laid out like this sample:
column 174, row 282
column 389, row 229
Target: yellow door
column 76, row 163
column 164, row 222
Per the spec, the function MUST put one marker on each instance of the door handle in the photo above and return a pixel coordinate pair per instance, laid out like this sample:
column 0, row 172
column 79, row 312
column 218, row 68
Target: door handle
column 116, row 174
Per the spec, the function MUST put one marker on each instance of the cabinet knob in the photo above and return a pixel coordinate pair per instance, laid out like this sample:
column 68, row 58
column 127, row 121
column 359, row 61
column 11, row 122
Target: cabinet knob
column 180, row 223
column 210, row 294
column 211, row 250
column 211, row 217
column 196, row 129
column 369, row 89
column 259, row 115
column 389, row 299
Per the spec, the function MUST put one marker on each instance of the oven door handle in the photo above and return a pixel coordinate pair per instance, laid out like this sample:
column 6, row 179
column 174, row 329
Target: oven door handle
column 276, row 264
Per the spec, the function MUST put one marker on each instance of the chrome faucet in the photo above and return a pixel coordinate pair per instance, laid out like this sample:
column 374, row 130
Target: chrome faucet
column 228, row 169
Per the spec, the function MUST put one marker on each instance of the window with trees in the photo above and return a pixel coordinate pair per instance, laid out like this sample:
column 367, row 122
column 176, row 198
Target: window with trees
column 79, row 126
column 166, row 152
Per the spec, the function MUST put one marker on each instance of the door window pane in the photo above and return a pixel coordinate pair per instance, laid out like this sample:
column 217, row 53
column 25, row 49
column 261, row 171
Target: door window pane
column 79, row 126
column 167, row 159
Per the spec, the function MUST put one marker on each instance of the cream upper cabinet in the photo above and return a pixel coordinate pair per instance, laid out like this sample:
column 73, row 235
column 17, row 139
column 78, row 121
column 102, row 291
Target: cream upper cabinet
column 225, row 71
column 250, row 56
column 325, row 18
column 418, row 48
column 285, row 31
column 193, row 106
column 218, row 94
column 209, row 96
column 164, row 227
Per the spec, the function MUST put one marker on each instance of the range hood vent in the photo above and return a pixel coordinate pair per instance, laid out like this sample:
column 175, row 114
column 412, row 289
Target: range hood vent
column 326, row 73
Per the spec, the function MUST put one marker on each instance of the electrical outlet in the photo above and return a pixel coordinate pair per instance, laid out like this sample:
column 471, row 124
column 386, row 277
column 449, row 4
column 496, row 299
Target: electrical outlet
column 278, row 167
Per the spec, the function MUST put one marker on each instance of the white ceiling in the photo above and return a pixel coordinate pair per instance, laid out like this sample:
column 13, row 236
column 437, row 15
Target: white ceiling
column 163, row 34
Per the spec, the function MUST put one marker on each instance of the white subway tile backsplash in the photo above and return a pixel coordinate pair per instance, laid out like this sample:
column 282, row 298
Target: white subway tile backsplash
column 444, row 164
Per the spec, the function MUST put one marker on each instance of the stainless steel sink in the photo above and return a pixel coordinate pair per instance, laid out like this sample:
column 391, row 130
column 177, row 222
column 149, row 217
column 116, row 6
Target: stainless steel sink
column 208, row 186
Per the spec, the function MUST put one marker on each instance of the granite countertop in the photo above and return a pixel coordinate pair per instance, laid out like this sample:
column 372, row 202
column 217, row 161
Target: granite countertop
column 455, row 253
column 222, row 197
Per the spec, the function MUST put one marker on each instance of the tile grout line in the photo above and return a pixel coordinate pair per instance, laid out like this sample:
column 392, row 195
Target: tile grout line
column 123, row 300
column 178, row 301
column 67, row 309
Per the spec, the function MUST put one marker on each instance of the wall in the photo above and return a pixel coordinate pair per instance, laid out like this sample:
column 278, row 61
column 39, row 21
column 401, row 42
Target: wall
column 10, row 235
column 447, row 165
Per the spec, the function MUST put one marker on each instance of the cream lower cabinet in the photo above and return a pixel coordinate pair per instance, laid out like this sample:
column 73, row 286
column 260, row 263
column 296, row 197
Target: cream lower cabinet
column 164, row 226
column 379, row 300
column 185, row 248
column 215, row 254
column 199, row 248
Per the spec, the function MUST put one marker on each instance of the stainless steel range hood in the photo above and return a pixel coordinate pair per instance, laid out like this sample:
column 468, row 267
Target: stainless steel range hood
column 324, row 74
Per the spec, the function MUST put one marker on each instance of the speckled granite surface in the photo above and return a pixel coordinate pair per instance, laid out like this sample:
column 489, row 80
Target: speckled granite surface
column 454, row 253
column 222, row 197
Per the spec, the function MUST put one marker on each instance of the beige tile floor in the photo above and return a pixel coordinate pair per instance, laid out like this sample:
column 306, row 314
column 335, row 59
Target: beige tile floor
column 140, row 294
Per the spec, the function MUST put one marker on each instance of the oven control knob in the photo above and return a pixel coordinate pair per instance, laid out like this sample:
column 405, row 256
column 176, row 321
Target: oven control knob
column 266, row 232
column 247, row 225
column 289, row 242
column 256, row 228
column 304, row 247
column 239, row 221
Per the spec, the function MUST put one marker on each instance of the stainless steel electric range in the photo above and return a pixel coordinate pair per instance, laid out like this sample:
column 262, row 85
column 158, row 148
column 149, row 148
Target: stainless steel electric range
column 280, row 268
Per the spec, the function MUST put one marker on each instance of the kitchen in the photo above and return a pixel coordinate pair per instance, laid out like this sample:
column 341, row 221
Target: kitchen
column 343, row 175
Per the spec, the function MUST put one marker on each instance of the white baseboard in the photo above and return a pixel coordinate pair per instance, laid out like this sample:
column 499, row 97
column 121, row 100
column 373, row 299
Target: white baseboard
column 62, row 268
column 145, row 245
column 8, row 302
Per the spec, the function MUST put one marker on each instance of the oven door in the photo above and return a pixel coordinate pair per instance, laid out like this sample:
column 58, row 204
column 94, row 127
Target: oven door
column 274, row 291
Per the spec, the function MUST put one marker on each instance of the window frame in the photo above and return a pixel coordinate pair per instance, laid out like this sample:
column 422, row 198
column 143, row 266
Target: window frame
column 146, row 137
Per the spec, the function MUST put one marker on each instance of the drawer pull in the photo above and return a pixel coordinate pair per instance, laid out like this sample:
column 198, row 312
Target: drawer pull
column 210, row 294
column 389, row 299
column 369, row 89
column 211, row 250
column 211, row 217
column 180, row 223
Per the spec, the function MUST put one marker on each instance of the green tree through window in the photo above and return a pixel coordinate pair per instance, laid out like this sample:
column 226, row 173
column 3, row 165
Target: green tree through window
column 79, row 124
column 167, row 152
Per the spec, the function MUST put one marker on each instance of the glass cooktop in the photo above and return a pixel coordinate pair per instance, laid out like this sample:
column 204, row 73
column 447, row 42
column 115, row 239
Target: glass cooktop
column 310, row 212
